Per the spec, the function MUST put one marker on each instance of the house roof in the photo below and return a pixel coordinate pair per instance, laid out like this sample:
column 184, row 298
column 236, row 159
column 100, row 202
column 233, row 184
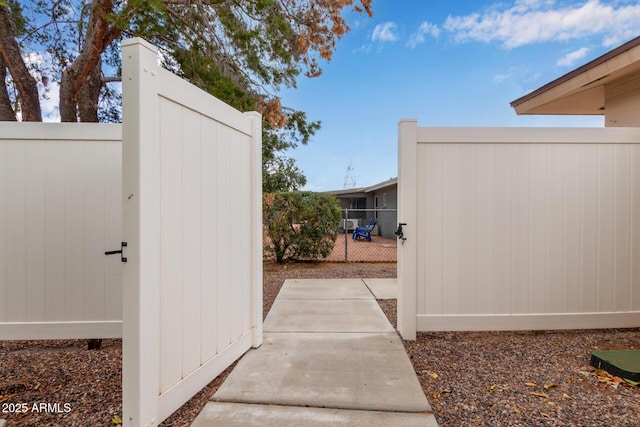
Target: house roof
column 362, row 191
column 350, row 192
column 384, row 184
column 581, row 91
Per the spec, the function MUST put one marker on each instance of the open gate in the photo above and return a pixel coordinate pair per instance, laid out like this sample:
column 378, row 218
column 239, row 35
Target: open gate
column 192, row 227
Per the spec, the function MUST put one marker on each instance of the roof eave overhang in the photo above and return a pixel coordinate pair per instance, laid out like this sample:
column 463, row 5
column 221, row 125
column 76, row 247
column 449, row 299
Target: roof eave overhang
column 582, row 91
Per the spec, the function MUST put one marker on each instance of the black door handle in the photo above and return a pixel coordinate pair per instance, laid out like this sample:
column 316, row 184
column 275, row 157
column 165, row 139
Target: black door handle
column 122, row 246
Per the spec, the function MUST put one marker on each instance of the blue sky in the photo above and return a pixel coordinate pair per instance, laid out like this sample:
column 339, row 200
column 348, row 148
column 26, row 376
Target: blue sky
column 453, row 63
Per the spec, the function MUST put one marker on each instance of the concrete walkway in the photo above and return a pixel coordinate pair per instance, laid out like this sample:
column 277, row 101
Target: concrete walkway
column 329, row 358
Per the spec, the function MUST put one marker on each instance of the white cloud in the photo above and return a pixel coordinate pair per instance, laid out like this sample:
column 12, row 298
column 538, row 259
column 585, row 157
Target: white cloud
column 499, row 78
column 40, row 67
column 365, row 48
column 535, row 21
column 570, row 58
column 385, row 32
column 426, row 28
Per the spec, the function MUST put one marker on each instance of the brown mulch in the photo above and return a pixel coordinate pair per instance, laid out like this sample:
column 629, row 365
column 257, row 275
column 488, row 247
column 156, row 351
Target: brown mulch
column 470, row 379
column 524, row 378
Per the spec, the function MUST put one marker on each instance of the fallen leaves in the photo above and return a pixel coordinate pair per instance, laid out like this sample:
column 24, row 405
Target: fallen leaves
column 535, row 393
column 606, row 378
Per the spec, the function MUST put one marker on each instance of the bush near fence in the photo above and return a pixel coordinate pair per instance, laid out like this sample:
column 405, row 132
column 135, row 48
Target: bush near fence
column 300, row 224
column 380, row 249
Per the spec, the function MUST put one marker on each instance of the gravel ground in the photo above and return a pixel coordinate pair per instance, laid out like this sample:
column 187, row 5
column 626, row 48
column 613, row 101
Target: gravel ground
column 470, row 379
column 524, row 378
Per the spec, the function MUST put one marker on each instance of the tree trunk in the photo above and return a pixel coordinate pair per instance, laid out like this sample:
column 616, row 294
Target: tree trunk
column 89, row 95
column 12, row 57
column 99, row 35
column 6, row 110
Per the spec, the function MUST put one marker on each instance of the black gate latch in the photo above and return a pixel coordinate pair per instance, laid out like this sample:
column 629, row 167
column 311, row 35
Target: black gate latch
column 400, row 233
column 122, row 245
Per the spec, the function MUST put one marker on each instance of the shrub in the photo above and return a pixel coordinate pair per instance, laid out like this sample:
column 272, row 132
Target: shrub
column 300, row 224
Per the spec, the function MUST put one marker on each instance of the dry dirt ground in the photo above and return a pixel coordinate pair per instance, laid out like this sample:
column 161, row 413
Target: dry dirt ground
column 470, row 379
column 379, row 249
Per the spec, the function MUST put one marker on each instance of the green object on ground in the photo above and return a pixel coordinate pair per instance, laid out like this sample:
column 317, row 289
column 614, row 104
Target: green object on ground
column 621, row 363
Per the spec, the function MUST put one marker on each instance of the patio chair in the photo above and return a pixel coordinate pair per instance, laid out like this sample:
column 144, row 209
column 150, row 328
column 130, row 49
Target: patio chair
column 364, row 231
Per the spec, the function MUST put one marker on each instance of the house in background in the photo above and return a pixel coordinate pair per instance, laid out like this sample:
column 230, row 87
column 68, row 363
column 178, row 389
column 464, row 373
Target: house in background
column 608, row 86
column 379, row 201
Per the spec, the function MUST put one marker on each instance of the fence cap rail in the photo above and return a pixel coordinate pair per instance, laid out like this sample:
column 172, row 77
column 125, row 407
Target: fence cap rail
column 530, row 135
column 60, row 131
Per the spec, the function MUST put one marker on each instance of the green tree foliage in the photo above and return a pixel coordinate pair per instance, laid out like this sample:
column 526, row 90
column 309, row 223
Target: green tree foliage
column 300, row 224
column 257, row 46
column 279, row 173
column 241, row 51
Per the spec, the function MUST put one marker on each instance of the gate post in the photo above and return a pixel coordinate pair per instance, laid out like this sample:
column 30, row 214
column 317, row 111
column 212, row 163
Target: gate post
column 256, row 221
column 407, row 250
column 141, row 222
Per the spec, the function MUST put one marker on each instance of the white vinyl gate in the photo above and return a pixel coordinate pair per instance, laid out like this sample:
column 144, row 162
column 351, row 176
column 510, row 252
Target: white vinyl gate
column 518, row 228
column 192, row 224
column 60, row 210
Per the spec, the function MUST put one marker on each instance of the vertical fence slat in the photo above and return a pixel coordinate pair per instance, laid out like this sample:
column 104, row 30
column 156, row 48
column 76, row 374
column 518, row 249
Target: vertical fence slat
column 171, row 243
column 502, row 210
column 451, row 230
column 225, row 222
column 622, row 234
column 606, row 226
column 521, row 232
column 75, row 251
column 209, row 256
column 572, row 229
column 485, row 246
column 432, row 218
column 95, row 231
column 538, row 230
column 589, row 231
column 55, row 235
column 191, row 241
column 113, row 231
column 36, row 232
column 468, row 230
column 555, row 243
column 16, row 232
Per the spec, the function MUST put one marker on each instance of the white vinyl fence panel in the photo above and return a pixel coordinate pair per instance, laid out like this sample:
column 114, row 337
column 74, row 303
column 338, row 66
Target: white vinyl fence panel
column 519, row 228
column 60, row 210
column 192, row 203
